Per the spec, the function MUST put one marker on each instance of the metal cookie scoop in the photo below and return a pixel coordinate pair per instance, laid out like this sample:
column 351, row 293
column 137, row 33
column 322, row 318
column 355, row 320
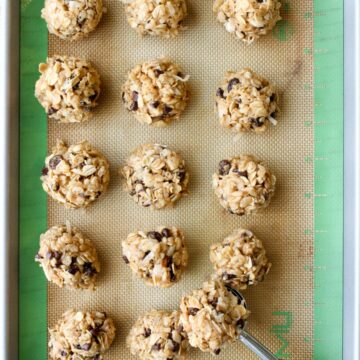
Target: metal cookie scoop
column 248, row 340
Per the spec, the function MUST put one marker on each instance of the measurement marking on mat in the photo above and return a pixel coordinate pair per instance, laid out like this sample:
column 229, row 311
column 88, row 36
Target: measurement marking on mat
column 281, row 330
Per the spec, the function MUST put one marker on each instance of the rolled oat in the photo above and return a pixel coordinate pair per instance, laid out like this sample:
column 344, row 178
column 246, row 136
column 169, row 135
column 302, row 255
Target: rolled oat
column 156, row 92
column 68, row 258
column 158, row 257
column 81, row 335
column 68, row 89
column 240, row 260
column 156, row 17
column 72, row 19
column 212, row 316
column 246, row 101
column 155, row 176
column 247, row 19
column 243, row 184
column 158, row 336
column 75, row 175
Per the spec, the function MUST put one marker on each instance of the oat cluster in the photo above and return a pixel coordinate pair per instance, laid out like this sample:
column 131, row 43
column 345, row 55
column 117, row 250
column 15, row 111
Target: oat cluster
column 81, row 335
column 240, row 260
column 243, row 185
column 156, row 92
column 156, row 17
column 68, row 89
column 158, row 257
column 246, row 102
column 158, row 336
column 247, row 20
column 75, row 175
column 212, row 316
column 155, row 176
column 68, row 258
column 72, row 19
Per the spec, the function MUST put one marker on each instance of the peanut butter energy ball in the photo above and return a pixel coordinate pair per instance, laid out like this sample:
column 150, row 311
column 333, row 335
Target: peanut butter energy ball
column 158, row 336
column 159, row 257
column 68, row 89
column 246, row 102
column 81, row 335
column 247, row 19
column 75, row 175
column 243, row 184
column 155, row 176
column 156, row 92
column 161, row 18
column 212, row 316
column 72, row 19
column 240, row 260
column 68, row 258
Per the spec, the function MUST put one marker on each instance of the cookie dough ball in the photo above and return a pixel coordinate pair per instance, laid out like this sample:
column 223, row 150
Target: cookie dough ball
column 68, row 258
column 156, row 92
column 81, row 335
column 72, row 19
column 212, row 316
column 243, row 185
column 75, row 175
column 159, row 257
column 156, row 17
column 155, row 176
column 240, row 260
column 158, row 336
column 246, row 102
column 247, row 19
column 68, row 89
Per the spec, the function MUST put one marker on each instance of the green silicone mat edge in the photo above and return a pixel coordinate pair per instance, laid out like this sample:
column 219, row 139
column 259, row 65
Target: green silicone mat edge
column 32, row 206
column 328, row 125
column 328, row 189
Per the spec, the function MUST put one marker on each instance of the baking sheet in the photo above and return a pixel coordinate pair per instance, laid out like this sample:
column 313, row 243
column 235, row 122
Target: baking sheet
column 282, row 310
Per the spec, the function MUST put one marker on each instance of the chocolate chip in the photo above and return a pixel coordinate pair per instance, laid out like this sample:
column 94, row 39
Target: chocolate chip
column 154, row 235
column 73, row 269
column 44, row 171
column 134, row 106
column 88, row 269
column 155, row 104
column 94, row 332
column 224, row 167
column 241, row 173
column 63, row 353
column 76, row 86
column 214, row 302
column 228, row 276
column 86, row 347
column 147, row 332
column 231, row 83
column 126, row 260
column 123, row 96
column 93, row 97
column 176, row 347
column 217, row 351
column 182, row 175
column 78, row 346
column 273, row 115
column 241, row 323
column 97, row 357
column 146, row 254
column 193, row 311
column 273, row 97
column 52, row 111
column 180, row 74
column 166, row 233
column 57, row 255
column 158, row 72
column 167, row 110
column 220, row 93
column 156, row 347
column 257, row 122
column 54, row 161
column 172, row 275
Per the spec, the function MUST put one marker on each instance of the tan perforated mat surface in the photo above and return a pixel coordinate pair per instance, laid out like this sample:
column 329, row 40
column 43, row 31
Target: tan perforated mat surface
column 282, row 305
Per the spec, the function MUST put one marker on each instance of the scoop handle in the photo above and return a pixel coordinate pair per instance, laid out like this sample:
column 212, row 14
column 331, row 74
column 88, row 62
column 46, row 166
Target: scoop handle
column 257, row 348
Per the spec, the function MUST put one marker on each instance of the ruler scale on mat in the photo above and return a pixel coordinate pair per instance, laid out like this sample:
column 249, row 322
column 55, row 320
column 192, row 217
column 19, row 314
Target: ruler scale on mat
column 289, row 333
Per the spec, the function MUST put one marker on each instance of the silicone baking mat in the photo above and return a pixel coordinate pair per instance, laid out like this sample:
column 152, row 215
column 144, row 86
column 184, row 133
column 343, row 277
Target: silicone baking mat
column 297, row 311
